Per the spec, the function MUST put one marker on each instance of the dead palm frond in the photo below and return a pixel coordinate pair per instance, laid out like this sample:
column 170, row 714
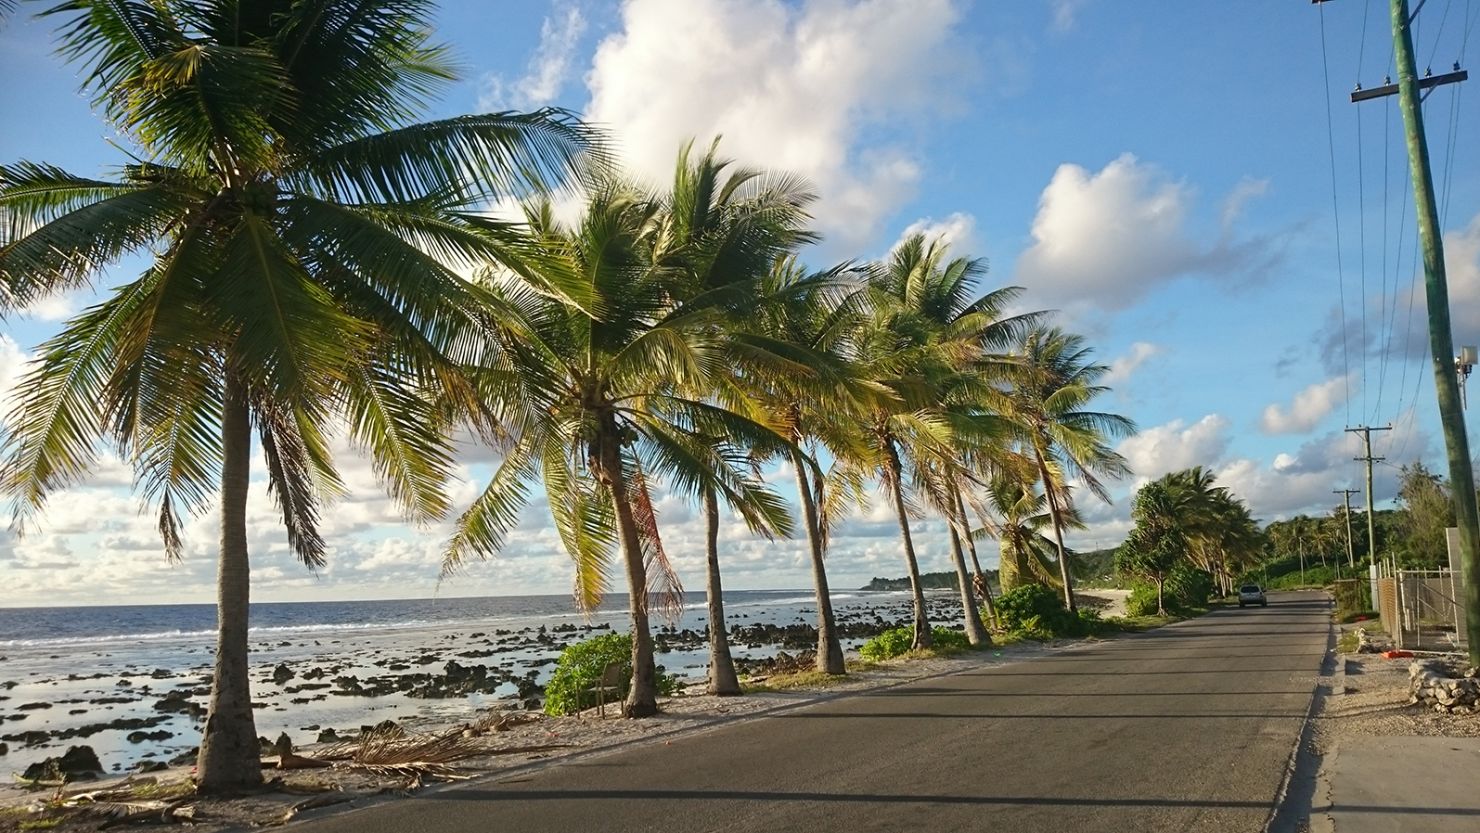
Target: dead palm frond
column 115, row 813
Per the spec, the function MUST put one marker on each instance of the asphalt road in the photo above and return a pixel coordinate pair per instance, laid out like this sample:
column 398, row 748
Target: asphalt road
column 1189, row 727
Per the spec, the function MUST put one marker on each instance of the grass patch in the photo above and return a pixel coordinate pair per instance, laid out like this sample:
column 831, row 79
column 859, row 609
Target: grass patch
column 1141, row 624
column 40, row 824
column 1348, row 643
column 793, row 681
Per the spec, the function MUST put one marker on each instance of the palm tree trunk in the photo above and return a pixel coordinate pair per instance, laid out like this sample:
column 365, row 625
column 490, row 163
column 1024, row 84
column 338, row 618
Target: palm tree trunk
column 922, row 637
column 975, row 633
column 642, row 696
column 983, row 588
column 229, row 760
column 722, row 680
column 829, row 647
column 1058, row 529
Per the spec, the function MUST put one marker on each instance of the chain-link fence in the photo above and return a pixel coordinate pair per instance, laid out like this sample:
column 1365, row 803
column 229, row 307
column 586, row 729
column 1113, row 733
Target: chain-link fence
column 1420, row 609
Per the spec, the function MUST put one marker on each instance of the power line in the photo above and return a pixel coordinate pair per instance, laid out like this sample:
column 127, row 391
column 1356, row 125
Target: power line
column 1336, row 214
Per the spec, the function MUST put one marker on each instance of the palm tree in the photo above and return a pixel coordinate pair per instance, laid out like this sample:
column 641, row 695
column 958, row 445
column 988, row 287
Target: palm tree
column 1018, row 515
column 726, row 226
column 298, row 229
column 813, row 316
column 1221, row 535
column 1047, row 399
column 921, row 341
column 602, row 398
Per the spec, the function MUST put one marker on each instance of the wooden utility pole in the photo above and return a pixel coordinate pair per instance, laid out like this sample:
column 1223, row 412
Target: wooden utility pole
column 1366, row 432
column 1436, row 293
column 1346, row 499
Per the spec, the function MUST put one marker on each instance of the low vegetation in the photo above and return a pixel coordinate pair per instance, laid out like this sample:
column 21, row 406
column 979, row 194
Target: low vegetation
column 897, row 642
column 578, row 672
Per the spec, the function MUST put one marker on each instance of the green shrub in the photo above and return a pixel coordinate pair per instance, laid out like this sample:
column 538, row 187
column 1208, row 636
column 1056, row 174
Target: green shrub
column 949, row 639
column 1034, row 608
column 897, row 641
column 1034, row 611
column 1188, row 587
column 1141, row 601
column 579, row 670
column 890, row 643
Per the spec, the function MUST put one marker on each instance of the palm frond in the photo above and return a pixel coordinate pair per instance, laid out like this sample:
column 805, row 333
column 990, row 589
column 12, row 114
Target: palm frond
column 291, row 472
column 497, row 154
column 55, row 422
column 407, row 440
column 482, row 527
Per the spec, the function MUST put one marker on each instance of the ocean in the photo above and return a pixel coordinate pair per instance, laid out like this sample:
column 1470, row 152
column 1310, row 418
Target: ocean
column 116, row 677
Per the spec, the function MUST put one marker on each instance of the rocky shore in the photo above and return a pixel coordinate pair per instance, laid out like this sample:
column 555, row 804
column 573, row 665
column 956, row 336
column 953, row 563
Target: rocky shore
column 136, row 716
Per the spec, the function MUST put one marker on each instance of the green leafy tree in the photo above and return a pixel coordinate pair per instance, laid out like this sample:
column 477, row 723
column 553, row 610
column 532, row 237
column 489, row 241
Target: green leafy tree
column 1425, row 512
column 1158, row 541
column 300, row 233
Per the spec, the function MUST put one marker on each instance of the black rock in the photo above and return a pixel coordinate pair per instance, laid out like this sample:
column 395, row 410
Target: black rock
column 150, row 766
column 158, row 734
column 388, row 728
column 328, row 736
column 282, row 673
column 78, row 763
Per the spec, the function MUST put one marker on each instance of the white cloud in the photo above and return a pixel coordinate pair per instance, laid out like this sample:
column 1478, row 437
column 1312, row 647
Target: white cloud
column 52, row 308
column 1106, row 239
column 957, row 230
column 1066, row 13
column 1246, row 191
column 1309, row 407
column 789, row 87
column 13, row 361
column 548, row 69
column 1175, row 446
column 1122, row 367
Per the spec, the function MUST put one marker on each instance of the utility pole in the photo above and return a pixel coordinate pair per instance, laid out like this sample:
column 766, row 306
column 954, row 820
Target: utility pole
column 1436, row 293
column 1346, row 498
column 1441, row 338
column 1366, row 432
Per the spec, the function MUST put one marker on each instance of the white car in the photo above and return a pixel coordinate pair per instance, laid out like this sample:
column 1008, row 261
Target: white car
column 1251, row 594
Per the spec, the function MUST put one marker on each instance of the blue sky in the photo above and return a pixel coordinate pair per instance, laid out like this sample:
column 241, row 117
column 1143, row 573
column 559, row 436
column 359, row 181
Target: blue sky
column 1158, row 171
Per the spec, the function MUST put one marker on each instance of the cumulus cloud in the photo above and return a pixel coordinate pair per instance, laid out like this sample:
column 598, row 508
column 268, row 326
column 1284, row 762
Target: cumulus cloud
column 548, row 70
column 1122, row 367
column 793, row 87
column 1175, row 445
column 957, row 230
column 52, row 308
column 1309, row 407
column 1106, row 239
